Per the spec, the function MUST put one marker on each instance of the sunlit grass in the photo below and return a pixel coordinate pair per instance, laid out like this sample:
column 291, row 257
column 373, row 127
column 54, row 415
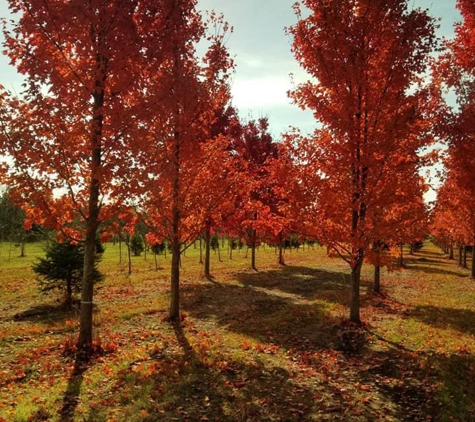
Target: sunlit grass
column 271, row 345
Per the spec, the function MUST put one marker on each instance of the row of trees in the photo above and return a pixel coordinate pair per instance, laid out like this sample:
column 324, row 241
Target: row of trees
column 121, row 121
column 453, row 220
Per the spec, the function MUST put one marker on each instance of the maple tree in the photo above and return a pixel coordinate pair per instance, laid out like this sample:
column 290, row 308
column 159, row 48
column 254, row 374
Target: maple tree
column 182, row 161
column 456, row 70
column 72, row 134
column 453, row 218
column 218, row 200
column 252, row 149
column 366, row 59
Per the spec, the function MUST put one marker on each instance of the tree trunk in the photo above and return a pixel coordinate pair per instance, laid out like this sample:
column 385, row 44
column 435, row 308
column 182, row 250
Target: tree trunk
column 355, row 289
column 84, row 343
column 120, row 249
column 253, row 250
column 411, row 248
column 465, row 256
column 201, row 250
column 377, row 279
column 129, row 258
column 473, row 260
column 144, row 240
column 176, row 241
column 460, row 255
column 175, row 283
column 401, row 255
column 281, row 251
column 22, row 247
column 451, row 250
column 68, row 299
column 207, row 249
column 156, row 262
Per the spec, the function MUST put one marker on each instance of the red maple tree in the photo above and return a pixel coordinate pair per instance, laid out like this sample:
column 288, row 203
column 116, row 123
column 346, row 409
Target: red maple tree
column 74, row 134
column 366, row 58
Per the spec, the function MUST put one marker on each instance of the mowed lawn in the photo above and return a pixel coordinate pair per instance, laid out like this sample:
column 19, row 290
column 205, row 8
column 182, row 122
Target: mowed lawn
column 272, row 345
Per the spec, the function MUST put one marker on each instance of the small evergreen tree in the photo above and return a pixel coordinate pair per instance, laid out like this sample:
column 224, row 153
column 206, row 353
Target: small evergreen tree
column 62, row 268
column 136, row 244
column 158, row 248
column 214, row 243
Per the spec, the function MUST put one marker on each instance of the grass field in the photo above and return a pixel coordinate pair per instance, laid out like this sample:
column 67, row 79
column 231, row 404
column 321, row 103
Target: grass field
column 272, row 345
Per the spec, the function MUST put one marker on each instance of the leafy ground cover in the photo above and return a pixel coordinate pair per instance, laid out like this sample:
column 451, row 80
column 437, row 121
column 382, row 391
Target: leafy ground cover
column 272, row 345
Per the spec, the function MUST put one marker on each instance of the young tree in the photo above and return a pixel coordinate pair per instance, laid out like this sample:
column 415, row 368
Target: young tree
column 62, row 269
column 72, row 135
column 181, row 160
column 12, row 220
column 366, row 59
column 456, row 69
column 252, row 149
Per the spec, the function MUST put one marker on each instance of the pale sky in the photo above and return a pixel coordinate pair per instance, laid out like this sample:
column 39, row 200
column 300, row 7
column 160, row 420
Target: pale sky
column 262, row 54
column 264, row 60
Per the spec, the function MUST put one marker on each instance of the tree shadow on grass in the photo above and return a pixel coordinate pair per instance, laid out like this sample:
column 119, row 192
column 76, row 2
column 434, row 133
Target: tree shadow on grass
column 462, row 320
column 73, row 391
column 194, row 383
column 303, row 282
column 263, row 316
column 392, row 382
column 426, row 386
column 399, row 377
column 456, row 392
column 435, row 270
column 48, row 313
column 424, row 252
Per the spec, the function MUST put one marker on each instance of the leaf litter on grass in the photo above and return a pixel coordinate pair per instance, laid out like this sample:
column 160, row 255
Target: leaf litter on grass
column 267, row 346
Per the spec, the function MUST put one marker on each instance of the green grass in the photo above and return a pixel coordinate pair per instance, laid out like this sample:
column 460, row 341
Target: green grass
column 272, row 345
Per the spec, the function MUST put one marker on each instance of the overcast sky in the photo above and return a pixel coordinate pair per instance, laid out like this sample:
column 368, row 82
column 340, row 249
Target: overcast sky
column 263, row 57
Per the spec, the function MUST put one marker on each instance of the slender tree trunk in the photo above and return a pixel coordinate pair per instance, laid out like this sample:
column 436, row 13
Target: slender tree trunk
column 460, row 255
column 201, row 250
column 156, row 262
column 401, row 255
column 22, row 247
column 175, row 282
column 120, row 249
column 451, row 250
column 253, row 250
column 84, row 343
column 144, row 248
column 281, row 249
column 176, row 241
column 129, row 257
column 207, row 249
column 411, row 248
column 69, row 293
column 473, row 260
column 85, row 319
column 465, row 256
column 377, row 279
column 355, row 289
